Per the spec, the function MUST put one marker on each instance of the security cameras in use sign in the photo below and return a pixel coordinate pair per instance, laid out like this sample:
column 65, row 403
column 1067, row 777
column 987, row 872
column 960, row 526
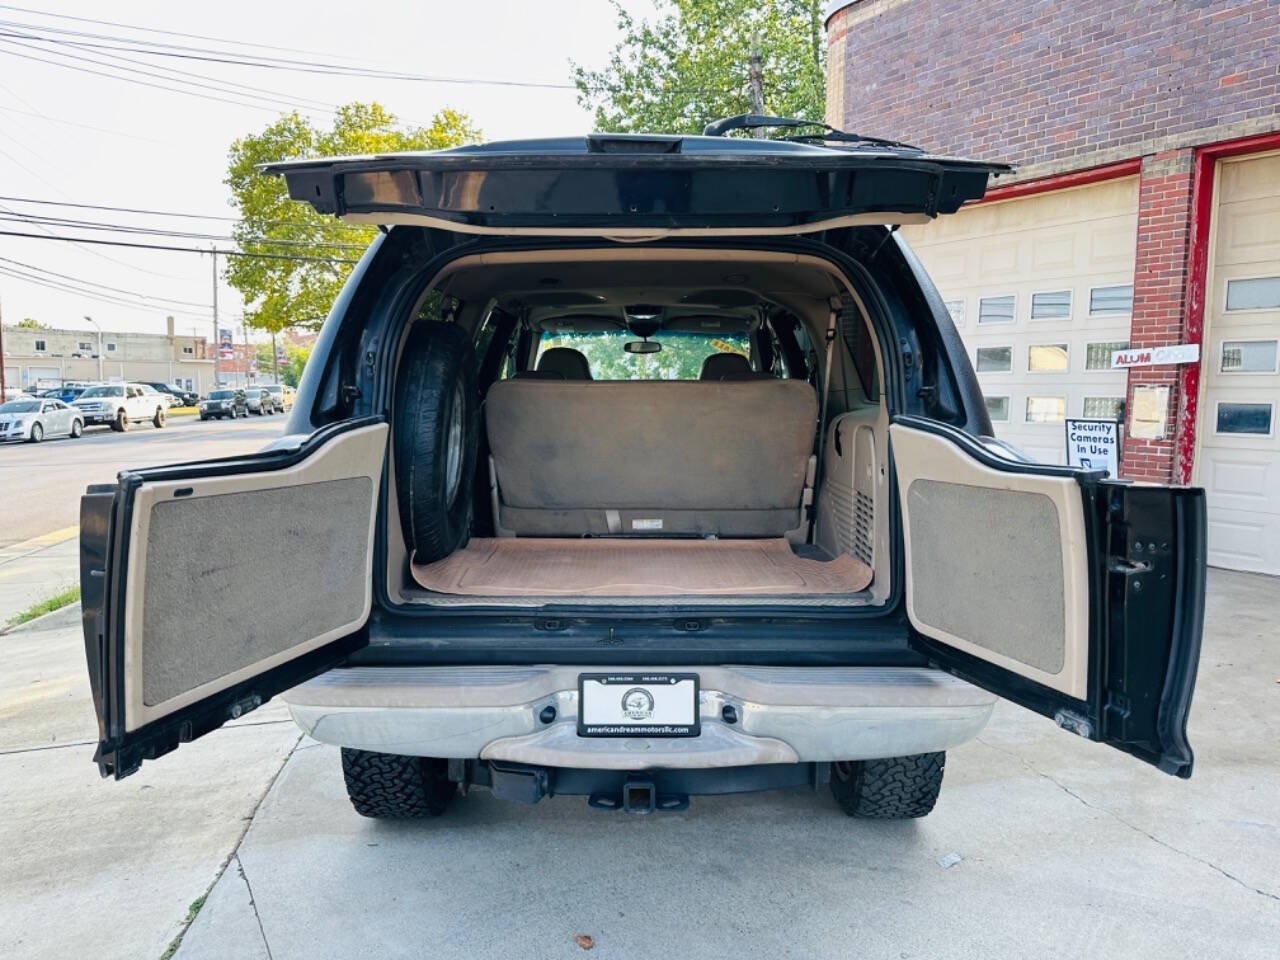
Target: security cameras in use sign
column 1094, row 445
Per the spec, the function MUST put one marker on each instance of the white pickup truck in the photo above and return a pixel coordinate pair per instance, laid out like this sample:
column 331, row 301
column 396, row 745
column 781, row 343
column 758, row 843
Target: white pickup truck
column 120, row 404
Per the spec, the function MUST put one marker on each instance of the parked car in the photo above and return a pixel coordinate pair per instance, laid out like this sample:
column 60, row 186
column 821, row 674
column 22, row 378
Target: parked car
column 121, row 404
column 36, row 418
column 176, row 396
column 224, row 402
column 662, row 585
column 259, row 400
column 282, row 395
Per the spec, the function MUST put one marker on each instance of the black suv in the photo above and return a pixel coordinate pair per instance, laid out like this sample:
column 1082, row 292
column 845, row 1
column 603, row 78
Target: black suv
column 640, row 467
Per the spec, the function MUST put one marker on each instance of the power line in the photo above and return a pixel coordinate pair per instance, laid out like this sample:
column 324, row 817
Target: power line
column 84, row 126
column 95, row 295
column 188, row 52
column 103, row 286
column 320, row 224
column 176, row 249
column 74, row 224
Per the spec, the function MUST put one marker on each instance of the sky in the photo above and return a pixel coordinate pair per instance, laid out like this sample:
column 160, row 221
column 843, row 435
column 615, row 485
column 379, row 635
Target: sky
column 71, row 136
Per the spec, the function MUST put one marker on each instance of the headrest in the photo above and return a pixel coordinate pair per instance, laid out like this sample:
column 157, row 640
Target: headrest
column 726, row 366
column 569, row 363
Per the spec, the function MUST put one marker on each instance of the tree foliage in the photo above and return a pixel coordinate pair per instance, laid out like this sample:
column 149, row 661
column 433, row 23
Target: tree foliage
column 680, row 358
column 690, row 65
column 283, row 293
column 295, row 360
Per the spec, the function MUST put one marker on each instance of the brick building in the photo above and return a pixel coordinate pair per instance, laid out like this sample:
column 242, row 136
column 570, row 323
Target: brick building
column 1145, row 212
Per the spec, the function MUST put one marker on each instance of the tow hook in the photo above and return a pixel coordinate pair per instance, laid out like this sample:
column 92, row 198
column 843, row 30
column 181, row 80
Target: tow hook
column 638, row 796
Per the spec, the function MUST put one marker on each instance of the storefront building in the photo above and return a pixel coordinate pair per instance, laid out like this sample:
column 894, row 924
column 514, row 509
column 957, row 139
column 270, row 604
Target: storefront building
column 1144, row 213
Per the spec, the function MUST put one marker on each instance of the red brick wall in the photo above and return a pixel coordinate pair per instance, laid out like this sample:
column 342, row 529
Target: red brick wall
column 1160, row 275
column 1055, row 86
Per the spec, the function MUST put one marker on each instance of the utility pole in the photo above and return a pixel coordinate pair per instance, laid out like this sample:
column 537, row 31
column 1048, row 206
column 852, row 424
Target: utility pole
column 756, row 77
column 217, row 343
column 99, row 329
column 275, row 361
column 245, row 328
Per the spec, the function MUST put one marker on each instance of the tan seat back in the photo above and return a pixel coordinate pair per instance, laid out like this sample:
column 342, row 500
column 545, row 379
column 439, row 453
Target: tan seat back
column 650, row 457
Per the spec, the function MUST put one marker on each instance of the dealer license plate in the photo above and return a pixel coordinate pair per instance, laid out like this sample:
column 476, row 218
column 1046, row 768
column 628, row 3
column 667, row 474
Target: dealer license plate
column 638, row 705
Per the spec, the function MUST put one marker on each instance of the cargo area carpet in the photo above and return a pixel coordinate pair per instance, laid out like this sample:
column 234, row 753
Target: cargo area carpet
column 516, row 567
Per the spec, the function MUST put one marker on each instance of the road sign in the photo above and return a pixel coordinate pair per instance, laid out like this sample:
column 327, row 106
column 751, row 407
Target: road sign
column 1094, row 445
column 1155, row 356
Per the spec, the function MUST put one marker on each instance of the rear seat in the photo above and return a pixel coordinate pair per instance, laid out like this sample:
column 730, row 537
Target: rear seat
column 729, row 458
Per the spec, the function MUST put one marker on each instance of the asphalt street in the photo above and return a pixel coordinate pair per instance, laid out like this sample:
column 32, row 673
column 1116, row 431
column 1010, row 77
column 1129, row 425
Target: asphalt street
column 1042, row 844
column 41, row 484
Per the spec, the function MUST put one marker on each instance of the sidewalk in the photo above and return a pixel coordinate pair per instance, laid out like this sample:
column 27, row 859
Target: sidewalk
column 36, row 569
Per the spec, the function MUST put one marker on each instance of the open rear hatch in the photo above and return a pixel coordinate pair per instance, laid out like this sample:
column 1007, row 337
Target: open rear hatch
column 638, row 186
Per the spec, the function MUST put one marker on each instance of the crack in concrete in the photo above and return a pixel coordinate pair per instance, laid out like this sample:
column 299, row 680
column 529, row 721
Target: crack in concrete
column 89, row 743
column 266, row 945
column 1132, row 826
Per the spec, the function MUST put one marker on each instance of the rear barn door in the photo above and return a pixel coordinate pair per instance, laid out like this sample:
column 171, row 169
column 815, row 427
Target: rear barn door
column 1079, row 598
column 210, row 587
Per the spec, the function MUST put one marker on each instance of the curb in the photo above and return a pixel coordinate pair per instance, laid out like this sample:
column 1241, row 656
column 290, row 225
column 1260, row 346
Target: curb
column 36, row 621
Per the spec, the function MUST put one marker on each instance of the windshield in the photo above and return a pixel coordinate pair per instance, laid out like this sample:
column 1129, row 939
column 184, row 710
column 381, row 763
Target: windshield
column 20, row 406
column 102, row 392
column 272, row 389
column 680, row 358
column 221, row 394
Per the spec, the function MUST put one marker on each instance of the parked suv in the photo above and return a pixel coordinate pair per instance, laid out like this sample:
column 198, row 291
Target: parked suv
column 259, row 400
column 226, row 402
column 635, row 468
column 121, row 404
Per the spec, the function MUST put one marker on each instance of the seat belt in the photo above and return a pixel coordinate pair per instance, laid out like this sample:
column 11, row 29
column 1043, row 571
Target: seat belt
column 822, row 414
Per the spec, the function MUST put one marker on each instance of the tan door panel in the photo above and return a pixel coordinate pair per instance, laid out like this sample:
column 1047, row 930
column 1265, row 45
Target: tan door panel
column 996, row 562
column 233, row 575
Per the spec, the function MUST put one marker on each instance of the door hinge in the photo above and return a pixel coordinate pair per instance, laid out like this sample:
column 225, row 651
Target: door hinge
column 1074, row 723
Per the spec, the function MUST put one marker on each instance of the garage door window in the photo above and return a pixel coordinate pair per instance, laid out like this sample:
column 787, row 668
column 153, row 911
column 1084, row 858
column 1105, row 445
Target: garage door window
column 1098, row 355
column 1110, row 301
column 1253, row 419
column 998, row 408
column 1257, row 293
column 1248, row 356
column 995, row 359
column 996, row 309
column 1103, row 408
column 1053, row 305
column 956, row 309
column 1047, row 358
column 1046, row 409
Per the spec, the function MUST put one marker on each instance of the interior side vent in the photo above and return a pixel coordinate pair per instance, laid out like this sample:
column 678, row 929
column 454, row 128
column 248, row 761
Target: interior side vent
column 863, row 525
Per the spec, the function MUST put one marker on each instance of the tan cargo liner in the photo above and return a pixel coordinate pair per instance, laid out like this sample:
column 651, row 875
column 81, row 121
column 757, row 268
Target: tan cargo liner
column 515, row 567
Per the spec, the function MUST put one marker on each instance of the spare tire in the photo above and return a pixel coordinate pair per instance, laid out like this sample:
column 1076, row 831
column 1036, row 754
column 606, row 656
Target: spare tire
column 436, row 422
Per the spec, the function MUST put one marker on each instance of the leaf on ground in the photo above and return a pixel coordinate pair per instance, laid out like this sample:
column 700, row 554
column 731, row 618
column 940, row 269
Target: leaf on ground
column 584, row 941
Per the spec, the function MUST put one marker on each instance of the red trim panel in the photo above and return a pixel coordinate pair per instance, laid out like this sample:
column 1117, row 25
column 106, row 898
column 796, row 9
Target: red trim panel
column 1077, row 178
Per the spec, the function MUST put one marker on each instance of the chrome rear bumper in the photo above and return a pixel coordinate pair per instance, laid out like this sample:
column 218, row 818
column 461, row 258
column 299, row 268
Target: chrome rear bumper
column 784, row 715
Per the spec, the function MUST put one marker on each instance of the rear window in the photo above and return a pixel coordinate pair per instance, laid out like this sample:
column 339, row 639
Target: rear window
column 221, row 394
column 680, row 358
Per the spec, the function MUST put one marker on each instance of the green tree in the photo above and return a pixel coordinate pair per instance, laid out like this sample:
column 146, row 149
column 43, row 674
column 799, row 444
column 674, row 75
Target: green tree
column 284, row 293
column 27, row 323
column 295, row 359
column 691, row 65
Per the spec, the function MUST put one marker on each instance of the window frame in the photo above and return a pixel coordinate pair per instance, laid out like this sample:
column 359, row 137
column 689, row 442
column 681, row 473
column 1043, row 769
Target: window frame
column 1071, row 306
column 997, row 323
column 1044, row 423
column 1271, row 420
column 995, row 373
column 964, row 310
column 1222, row 350
column 1066, row 370
column 1112, row 313
column 1084, row 402
column 1108, row 368
column 1226, row 289
column 1008, row 406
column 111, row 347
column 40, row 346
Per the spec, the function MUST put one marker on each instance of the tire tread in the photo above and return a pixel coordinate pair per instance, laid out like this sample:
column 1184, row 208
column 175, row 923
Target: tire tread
column 893, row 788
column 394, row 786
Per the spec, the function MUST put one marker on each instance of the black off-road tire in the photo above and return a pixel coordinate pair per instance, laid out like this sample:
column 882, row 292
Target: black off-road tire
column 437, row 420
column 393, row 786
column 896, row 788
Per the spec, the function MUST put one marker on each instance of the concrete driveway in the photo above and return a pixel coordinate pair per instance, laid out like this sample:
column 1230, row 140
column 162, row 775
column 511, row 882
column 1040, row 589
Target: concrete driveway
column 1064, row 848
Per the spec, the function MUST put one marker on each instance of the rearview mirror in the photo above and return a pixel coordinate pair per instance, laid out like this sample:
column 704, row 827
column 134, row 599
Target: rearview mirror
column 642, row 346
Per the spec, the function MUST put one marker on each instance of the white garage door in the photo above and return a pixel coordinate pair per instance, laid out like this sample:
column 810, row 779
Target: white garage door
column 1041, row 289
column 1238, row 460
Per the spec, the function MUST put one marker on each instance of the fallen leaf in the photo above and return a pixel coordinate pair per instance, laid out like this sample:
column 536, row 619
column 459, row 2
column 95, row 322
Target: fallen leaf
column 584, row 941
